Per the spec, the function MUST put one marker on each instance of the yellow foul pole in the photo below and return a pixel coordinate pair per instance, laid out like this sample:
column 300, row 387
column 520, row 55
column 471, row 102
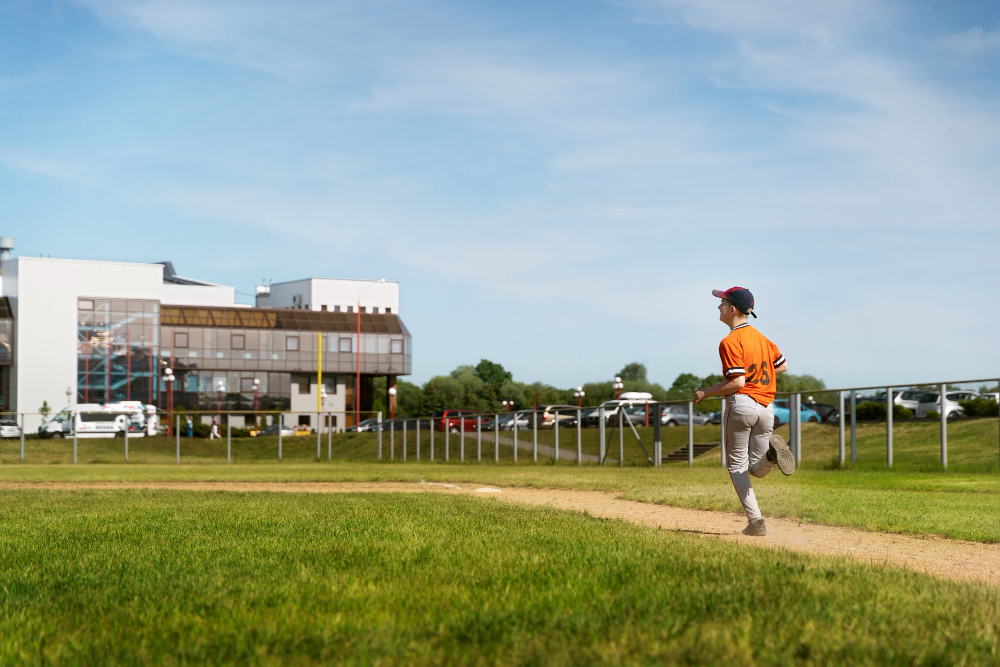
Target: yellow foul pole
column 319, row 372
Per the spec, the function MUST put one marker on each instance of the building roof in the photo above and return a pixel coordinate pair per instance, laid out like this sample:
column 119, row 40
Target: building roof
column 281, row 318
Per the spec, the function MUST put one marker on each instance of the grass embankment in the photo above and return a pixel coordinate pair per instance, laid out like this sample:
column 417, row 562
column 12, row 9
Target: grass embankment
column 171, row 577
column 957, row 505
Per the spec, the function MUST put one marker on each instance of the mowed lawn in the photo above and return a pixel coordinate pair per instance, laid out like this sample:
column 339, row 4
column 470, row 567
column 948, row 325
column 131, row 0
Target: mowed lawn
column 139, row 577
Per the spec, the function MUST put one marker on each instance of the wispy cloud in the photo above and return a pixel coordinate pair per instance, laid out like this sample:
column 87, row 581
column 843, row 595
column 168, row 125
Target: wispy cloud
column 973, row 42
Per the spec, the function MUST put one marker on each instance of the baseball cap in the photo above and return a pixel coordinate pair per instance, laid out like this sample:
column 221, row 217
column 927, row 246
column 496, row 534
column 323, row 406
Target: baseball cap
column 740, row 297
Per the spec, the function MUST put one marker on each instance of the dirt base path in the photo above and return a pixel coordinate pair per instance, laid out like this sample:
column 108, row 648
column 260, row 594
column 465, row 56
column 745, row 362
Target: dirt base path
column 942, row 557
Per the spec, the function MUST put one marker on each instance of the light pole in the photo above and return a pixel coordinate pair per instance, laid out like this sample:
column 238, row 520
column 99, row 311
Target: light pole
column 322, row 410
column 618, row 386
column 357, row 379
column 392, row 402
column 220, row 387
column 579, row 394
column 168, row 379
column 256, row 392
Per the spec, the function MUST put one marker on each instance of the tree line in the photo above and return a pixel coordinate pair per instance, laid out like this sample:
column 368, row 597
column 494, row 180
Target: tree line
column 484, row 386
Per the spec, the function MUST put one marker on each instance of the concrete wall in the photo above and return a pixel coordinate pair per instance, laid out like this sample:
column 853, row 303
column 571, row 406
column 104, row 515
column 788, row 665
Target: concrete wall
column 197, row 295
column 305, row 404
column 318, row 292
column 43, row 294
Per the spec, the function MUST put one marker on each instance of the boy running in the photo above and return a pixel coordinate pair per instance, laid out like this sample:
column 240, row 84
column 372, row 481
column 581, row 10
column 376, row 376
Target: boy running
column 750, row 365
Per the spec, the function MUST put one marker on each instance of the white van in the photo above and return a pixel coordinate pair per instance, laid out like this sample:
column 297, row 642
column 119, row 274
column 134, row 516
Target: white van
column 102, row 420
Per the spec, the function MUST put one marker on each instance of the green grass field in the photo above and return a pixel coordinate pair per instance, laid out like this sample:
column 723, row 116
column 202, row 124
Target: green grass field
column 140, row 577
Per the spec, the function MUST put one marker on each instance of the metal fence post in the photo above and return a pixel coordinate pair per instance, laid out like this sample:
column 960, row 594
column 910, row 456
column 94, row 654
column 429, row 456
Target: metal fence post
column 329, row 437
column 555, row 432
column 579, row 437
column 854, row 426
column 888, row 427
column 479, row 437
column 601, row 434
column 690, row 434
column 657, row 434
column 177, row 432
column 621, row 436
column 840, row 420
column 281, row 424
column 378, row 428
column 515, row 437
column 461, row 439
column 418, row 439
column 431, row 424
column 404, row 439
column 798, row 429
column 496, row 438
column 392, row 439
column 534, row 437
column 73, row 422
column 319, row 437
column 126, row 437
column 944, row 426
column 229, row 439
column 447, row 438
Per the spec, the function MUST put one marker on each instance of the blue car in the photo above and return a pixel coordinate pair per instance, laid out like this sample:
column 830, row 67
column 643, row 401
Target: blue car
column 782, row 413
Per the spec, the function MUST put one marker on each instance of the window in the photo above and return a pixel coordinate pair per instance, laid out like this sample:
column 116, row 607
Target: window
column 345, row 345
column 330, row 384
column 336, row 309
column 304, row 385
column 292, row 343
column 374, row 309
column 305, row 420
column 323, row 307
column 85, row 304
column 397, row 347
column 238, row 341
column 180, row 339
column 350, row 309
column 388, row 311
column 331, row 421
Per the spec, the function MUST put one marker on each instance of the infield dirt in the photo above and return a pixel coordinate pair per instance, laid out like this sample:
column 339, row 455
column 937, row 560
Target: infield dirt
column 947, row 558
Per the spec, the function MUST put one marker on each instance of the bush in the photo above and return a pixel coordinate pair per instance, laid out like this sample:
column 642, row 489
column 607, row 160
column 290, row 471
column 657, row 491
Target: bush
column 933, row 414
column 239, row 432
column 872, row 411
column 200, row 430
column 980, row 407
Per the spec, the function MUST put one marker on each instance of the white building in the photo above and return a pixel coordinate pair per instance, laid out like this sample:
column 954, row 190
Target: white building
column 77, row 331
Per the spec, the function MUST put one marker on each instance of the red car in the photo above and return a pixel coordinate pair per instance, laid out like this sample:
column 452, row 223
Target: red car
column 456, row 420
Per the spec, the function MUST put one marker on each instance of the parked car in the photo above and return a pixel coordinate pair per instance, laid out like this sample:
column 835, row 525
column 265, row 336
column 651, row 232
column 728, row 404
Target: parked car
column 9, row 429
column 364, row 426
column 611, row 407
column 547, row 414
column 909, row 399
column 675, row 415
column 824, row 410
column 783, row 413
column 506, row 421
column 931, row 400
column 273, row 430
column 455, row 420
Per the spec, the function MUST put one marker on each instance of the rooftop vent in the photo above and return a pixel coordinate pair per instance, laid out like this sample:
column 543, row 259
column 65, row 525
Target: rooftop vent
column 6, row 245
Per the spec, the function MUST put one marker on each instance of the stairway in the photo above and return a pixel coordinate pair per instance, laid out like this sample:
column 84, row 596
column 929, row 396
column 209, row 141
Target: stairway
column 681, row 453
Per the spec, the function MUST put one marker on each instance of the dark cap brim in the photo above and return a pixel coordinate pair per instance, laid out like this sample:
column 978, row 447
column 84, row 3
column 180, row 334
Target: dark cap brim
column 719, row 293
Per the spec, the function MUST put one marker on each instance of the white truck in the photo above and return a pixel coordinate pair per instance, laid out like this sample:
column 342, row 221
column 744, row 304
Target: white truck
column 102, row 420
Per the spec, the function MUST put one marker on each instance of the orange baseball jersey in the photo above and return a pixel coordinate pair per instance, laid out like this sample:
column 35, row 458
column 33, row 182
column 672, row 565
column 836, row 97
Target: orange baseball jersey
column 746, row 352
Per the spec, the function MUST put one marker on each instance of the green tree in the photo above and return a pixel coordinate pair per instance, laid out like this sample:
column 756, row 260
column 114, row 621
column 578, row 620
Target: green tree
column 634, row 372
column 788, row 382
column 493, row 375
column 45, row 410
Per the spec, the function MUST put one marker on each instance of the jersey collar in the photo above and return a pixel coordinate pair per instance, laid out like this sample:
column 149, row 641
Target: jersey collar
column 740, row 326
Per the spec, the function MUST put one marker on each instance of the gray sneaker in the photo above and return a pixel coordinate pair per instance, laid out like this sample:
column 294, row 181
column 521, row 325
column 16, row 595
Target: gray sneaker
column 781, row 454
column 755, row 528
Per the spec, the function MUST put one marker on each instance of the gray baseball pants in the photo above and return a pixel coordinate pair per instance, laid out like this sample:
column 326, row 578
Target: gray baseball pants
column 748, row 433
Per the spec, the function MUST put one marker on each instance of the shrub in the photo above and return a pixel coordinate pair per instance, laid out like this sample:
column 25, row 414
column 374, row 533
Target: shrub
column 980, row 407
column 872, row 411
column 933, row 414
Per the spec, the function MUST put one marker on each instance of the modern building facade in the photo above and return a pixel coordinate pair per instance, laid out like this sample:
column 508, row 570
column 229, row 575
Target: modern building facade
column 76, row 331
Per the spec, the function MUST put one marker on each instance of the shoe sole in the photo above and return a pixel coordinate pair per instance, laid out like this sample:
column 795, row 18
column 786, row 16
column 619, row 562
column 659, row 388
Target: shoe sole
column 786, row 461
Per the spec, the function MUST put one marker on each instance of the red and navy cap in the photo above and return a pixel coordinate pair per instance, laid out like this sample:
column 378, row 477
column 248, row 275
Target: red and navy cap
column 740, row 297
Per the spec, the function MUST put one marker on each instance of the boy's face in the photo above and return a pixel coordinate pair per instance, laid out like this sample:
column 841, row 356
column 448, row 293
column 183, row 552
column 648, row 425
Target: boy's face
column 726, row 311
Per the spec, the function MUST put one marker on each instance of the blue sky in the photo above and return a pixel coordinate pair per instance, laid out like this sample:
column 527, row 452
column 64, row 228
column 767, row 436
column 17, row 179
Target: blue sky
column 556, row 186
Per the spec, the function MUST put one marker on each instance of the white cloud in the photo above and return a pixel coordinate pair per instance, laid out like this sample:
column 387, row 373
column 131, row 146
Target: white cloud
column 973, row 42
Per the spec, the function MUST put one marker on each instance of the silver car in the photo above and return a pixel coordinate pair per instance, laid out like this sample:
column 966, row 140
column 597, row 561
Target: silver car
column 931, row 400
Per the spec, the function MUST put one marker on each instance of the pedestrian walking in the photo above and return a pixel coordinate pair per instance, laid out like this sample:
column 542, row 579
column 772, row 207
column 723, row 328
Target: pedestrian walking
column 215, row 430
column 190, row 427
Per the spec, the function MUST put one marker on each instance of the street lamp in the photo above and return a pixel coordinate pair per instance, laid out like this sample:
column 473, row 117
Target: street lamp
column 168, row 379
column 357, row 380
column 220, row 386
column 256, row 391
column 508, row 405
column 579, row 394
column 618, row 386
column 322, row 408
column 392, row 402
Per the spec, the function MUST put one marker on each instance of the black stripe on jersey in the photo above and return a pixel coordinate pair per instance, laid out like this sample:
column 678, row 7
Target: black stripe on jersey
column 738, row 370
column 740, row 326
column 780, row 360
